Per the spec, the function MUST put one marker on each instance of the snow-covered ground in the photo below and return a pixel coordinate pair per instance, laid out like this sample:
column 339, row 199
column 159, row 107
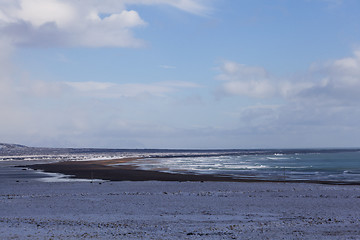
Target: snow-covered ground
column 33, row 209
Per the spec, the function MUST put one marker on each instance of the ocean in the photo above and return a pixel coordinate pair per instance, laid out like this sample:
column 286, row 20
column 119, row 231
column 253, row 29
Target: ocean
column 341, row 166
column 290, row 165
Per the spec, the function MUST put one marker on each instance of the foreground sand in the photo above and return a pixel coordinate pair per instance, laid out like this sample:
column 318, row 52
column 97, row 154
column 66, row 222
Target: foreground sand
column 31, row 209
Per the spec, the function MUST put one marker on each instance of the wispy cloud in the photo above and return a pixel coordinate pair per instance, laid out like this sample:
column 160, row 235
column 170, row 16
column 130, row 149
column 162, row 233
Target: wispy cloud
column 199, row 7
column 333, row 3
column 113, row 90
column 167, row 66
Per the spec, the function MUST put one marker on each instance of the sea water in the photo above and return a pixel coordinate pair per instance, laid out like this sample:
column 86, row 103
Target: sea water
column 342, row 166
column 326, row 165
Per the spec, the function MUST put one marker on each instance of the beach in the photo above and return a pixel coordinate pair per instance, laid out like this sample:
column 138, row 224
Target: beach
column 35, row 208
column 116, row 170
column 126, row 169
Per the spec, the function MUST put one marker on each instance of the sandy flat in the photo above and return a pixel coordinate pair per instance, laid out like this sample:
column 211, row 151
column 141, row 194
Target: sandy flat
column 31, row 209
column 116, row 170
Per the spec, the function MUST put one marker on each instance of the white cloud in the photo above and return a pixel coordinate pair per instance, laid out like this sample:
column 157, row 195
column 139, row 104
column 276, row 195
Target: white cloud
column 232, row 71
column 89, row 23
column 167, row 66
column 71, row 114
column 197, row 7
column 113, row 90
column 56, row 113
column 335, row 80
column 39, row 12
column 65, row 23
column 240, row 79
column 90, row 86
column 347, row 70
column 180, row 84
column 324, row 101
column 200, row 7
column 333, row 3
column 257, row 89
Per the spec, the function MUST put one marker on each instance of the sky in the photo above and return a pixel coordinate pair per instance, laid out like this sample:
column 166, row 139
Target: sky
column 195, row 74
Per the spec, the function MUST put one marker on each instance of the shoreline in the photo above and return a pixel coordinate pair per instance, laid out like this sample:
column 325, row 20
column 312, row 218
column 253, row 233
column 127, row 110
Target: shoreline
column 170, row 209
column 112, row 170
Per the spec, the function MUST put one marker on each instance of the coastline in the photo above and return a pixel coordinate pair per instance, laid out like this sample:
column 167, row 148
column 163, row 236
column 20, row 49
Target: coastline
column 36, row 209
column 109, row 170
column 116, row 170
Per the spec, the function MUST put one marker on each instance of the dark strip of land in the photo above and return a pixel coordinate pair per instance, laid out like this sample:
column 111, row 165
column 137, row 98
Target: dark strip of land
column 115, row 170
column 106, row 170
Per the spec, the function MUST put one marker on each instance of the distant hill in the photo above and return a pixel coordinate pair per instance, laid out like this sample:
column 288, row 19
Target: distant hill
column 11, row 146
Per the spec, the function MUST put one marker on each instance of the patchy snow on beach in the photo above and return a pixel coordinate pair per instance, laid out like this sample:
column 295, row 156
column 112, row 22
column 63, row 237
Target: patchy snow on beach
column 31, row 209
column 38, row 205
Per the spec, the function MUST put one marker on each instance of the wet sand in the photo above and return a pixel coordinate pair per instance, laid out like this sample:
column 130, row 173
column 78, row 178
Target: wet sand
column 109, row 170
column 116, row 170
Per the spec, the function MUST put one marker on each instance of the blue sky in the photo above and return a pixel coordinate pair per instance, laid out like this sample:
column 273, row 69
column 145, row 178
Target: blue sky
column 180, row 73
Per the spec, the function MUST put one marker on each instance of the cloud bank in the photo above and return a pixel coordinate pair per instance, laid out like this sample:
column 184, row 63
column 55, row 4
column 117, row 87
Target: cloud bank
column 323, row 101
column 335, row 80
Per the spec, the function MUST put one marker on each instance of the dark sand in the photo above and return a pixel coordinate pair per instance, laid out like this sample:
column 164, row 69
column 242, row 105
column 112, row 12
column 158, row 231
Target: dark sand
column 108, row 170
